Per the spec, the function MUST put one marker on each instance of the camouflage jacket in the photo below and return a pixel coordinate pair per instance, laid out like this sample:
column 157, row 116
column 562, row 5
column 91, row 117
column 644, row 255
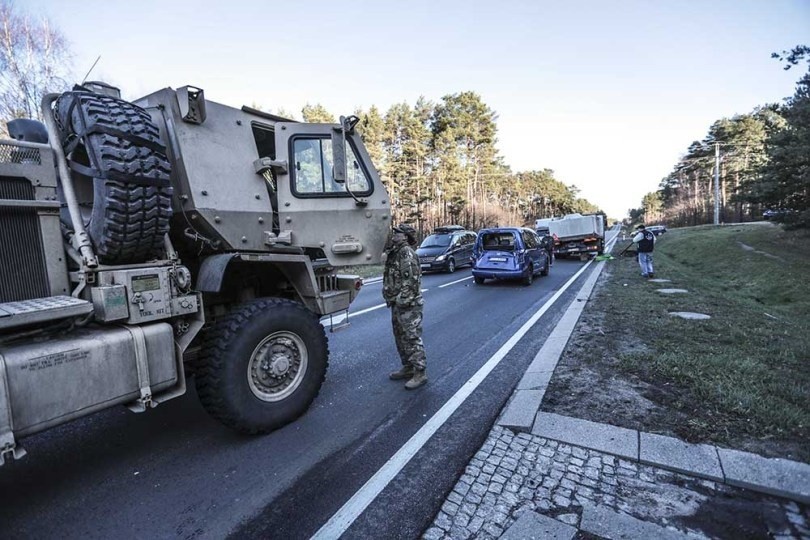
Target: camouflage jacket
column 402, row 279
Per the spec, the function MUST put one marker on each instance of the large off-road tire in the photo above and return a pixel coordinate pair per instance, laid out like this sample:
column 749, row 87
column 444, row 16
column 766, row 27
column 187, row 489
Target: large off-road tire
column 126, row 212
column 262, row 365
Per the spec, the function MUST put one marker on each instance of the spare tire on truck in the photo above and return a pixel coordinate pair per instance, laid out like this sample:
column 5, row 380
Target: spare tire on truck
column 120, row 173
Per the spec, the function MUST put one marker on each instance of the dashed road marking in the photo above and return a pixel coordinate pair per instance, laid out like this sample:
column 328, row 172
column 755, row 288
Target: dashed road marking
column 454, row 282
column 342, row 317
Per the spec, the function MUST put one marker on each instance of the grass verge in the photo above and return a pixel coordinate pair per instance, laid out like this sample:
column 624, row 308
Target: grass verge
column 740, row 379
column 364, row 271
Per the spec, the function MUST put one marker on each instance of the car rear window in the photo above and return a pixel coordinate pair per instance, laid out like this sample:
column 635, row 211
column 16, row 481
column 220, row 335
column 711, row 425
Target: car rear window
column 500, row 241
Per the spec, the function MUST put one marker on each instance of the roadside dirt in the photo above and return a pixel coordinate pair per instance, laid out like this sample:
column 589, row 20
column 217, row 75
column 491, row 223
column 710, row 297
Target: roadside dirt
column 590, row 383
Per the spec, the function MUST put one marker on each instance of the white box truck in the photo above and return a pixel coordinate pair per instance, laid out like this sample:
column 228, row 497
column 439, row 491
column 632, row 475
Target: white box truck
column 575, row 234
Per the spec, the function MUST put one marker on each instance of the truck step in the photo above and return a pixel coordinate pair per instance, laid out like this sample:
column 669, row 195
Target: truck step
column 39, row 310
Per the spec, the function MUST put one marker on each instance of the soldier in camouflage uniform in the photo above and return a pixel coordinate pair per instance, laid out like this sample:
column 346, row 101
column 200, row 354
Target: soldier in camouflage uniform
column 402, row 282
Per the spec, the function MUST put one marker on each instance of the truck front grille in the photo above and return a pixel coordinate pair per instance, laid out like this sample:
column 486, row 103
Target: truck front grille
column 23, row 273
column 10, row 153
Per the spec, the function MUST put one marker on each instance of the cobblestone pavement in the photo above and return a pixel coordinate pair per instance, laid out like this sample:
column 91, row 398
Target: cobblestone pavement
column 517, row 473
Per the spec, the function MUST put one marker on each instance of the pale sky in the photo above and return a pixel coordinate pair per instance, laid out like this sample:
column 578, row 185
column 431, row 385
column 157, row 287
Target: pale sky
column 607, row 94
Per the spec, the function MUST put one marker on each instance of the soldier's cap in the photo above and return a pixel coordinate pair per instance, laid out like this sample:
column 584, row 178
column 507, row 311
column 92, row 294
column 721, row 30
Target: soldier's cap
column 405, row 229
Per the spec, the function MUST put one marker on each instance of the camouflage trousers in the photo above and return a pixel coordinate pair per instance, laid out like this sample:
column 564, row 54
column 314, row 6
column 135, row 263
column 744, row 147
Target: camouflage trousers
column 407, row 323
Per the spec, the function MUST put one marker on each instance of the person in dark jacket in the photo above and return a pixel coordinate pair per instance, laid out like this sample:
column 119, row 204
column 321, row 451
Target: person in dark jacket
column 547, row 243
column 646, row 244
column 402, row 282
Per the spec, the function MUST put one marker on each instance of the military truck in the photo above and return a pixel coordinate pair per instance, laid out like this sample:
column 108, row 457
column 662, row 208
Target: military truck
column 144, row 241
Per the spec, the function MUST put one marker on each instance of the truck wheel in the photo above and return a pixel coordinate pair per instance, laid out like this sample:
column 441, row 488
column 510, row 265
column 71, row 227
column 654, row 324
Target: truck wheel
column 262, row 365
column 126, row 221
column 601, row 249
column 451, row 266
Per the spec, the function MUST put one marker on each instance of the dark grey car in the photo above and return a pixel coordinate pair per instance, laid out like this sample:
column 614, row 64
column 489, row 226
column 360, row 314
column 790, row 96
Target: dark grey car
column 446, row 249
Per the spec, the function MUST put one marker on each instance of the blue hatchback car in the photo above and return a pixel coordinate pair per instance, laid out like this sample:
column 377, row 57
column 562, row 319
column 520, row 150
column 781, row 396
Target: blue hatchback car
column 509, row 253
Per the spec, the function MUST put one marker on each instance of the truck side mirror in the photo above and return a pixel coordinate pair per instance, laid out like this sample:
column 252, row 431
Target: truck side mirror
column 347, row 125
column 192, row 104
column 339, row 155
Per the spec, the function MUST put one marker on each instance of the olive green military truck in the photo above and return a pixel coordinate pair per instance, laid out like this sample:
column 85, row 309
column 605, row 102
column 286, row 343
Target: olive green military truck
column 141, row 242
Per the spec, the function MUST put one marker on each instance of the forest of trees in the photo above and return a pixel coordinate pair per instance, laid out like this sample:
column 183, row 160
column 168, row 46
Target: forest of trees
column 34, row 60
column 764, row 164
column 440, row 165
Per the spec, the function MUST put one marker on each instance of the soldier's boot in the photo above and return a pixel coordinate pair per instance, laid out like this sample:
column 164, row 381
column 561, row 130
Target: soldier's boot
column 405, row 373
column 419, row 378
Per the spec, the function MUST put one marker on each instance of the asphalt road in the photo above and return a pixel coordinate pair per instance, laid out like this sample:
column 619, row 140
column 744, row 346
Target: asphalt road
column 174, row 472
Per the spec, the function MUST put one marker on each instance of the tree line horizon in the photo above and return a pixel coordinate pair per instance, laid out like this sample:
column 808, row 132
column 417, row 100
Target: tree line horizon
column 440, row 166
column 764, row 165
column 440, row 163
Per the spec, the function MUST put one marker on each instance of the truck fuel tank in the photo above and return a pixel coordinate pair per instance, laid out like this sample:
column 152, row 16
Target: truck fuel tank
column 52, row 380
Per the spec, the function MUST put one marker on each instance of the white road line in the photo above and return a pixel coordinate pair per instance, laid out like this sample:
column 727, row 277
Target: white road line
column 454, row 282
column 372, row 308
column 342, row 317
column 349, row 512
column 612, row 242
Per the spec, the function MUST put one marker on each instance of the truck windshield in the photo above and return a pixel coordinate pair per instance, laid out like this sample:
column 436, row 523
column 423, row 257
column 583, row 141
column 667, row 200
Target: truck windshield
column 500, row 241
column 436, row 240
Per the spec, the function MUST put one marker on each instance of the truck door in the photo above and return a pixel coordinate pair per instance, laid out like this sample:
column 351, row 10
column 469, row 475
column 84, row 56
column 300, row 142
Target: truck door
column 348, row 219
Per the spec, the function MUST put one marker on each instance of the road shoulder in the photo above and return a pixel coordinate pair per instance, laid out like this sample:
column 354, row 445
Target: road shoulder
column 583, row 473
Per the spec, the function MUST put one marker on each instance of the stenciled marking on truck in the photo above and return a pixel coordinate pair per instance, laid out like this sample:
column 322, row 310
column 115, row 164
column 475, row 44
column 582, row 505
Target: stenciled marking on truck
column 54, row 360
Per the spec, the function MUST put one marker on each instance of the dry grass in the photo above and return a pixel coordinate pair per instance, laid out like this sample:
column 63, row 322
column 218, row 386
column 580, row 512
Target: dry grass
column 745, row 371
column 364, row 271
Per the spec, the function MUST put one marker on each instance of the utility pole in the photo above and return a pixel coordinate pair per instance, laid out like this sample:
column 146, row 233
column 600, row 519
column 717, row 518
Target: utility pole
column 717, row 183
